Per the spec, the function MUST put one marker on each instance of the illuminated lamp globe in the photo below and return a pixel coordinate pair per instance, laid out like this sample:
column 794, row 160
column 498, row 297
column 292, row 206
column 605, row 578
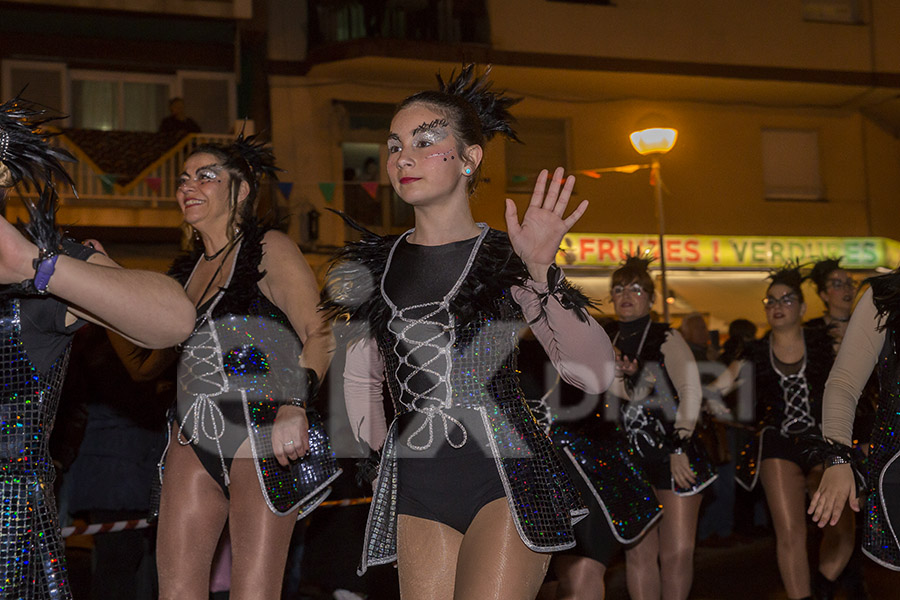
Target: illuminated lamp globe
column 655, row 140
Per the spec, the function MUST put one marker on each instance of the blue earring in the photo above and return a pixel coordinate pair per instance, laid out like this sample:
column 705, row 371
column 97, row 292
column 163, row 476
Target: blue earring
column 468, row 171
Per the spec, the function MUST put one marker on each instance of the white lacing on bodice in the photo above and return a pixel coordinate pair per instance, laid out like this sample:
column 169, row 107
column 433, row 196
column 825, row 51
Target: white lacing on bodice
column 202, row 369
column 797, row 413
column 428, row 326
column 637, row 423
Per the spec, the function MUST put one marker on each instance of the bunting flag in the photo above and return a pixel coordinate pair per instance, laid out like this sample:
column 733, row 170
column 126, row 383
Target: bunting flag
column 286, row 187
column 327, row 189
column 519, row 178
column 109, row 182
column 597, row 173
column 371, row 188
column 154, row 183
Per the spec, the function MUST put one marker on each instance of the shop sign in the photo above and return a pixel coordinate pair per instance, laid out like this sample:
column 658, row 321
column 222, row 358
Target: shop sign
column 728, row 252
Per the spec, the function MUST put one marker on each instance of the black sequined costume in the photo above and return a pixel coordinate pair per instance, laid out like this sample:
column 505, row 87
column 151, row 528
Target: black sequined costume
column 34, row 353
column 881, row 540
column 471, row 357
column 235, row 370
column 787, row 408
column 650, row 405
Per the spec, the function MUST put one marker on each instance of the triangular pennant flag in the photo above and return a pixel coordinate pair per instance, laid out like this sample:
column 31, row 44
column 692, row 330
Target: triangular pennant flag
column 519, row 178
column 371, row 188
column 327, row 189
column 285, row 187
column 154, row 183
column 108, row 181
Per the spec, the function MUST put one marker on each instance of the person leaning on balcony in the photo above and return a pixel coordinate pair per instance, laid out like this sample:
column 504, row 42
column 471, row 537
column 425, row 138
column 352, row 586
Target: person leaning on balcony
column 470, row 496
column 178, row 119
column 790, row 364
column 659, row 394
column 49, row 287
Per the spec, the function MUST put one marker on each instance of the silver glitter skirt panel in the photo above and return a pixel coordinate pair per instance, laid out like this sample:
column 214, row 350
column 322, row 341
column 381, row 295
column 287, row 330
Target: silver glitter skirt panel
column 32, row 556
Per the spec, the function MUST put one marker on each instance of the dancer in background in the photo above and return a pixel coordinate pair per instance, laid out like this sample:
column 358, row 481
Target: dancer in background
column 658, row 390
column 790, row 365
column 871, row 338
column 470, row 496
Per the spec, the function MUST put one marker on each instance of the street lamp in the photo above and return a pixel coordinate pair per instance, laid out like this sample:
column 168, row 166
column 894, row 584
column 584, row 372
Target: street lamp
column 654, row 142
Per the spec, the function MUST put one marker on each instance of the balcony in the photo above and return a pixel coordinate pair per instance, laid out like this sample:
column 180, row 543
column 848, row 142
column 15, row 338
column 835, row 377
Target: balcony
column 123, row 179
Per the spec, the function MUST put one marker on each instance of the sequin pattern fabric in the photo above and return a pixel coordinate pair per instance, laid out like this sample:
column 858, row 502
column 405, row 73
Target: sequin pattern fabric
column 882, row 518
column 617, row 481
column 31, row 550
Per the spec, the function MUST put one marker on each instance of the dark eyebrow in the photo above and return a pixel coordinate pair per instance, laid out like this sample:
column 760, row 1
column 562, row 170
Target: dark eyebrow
column 394, row 136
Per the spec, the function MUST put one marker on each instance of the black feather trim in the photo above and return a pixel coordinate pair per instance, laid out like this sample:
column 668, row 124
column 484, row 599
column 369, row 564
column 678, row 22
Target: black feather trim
column 25, row 149
column 820, row 450
column 886, row 297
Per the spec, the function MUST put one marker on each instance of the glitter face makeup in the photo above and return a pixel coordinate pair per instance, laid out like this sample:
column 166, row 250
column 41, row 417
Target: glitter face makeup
column 433, row 125
column 204, row 174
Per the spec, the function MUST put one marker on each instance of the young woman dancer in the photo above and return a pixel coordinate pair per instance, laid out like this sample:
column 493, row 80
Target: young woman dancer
column 471, row 496
column 791, row 364
column 872, row 338
column 240, row 420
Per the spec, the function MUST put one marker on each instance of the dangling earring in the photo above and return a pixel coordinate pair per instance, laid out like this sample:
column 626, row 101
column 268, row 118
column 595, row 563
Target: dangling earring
column 468, row 171
column 196, row 234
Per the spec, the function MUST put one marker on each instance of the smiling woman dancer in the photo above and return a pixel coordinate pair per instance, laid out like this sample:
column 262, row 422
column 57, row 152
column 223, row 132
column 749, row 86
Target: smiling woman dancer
column 471, row 496
column 240, row 419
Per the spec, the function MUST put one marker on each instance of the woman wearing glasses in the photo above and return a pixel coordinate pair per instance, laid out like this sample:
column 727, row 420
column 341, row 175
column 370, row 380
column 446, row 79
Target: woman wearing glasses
column 837, row 289
column 659, row 393
column 790, row 366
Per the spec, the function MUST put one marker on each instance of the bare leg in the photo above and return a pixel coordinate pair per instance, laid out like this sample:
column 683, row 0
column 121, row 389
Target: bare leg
column 785, row 488
column 426, row 558
column 260, row 539
column 192, row 515
column 837, row 541
column 494, row 562
column 642, row 567
column 677, row 533
column 580, row 578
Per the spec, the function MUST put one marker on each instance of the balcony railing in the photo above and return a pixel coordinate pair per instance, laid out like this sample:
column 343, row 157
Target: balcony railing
column 150, row 187
column 451, row 21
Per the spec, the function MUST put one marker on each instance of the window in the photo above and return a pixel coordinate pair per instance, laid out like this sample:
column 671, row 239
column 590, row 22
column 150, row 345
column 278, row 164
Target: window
column 544, row 146
column 210, row 99
column 42, row 82
column 833, row 11
column 119, row 101
column 791, row 165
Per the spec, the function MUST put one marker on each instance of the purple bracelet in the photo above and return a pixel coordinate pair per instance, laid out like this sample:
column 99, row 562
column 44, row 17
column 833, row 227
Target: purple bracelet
column 43, row 272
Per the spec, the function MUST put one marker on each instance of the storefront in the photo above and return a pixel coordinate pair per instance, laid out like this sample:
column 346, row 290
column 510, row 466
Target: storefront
column 722, row 277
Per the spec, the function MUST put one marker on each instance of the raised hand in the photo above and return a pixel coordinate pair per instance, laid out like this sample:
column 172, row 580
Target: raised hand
column 537, row 238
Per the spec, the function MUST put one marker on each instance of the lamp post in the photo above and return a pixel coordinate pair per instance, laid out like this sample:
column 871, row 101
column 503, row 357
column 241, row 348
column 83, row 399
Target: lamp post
column 654, row 142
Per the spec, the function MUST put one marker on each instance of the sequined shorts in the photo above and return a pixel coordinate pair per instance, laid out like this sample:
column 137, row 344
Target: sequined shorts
column 790, row 448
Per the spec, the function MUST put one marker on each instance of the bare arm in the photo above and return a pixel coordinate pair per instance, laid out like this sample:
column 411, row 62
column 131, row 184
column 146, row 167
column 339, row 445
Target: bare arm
column 580, row 351
column 363, row 376
column 290, row 284
column 150, row 308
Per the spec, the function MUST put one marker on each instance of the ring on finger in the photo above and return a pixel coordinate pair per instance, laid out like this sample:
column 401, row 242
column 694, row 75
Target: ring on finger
column 288, row 443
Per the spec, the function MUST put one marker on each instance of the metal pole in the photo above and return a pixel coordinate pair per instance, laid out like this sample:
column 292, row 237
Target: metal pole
column 658, row 184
